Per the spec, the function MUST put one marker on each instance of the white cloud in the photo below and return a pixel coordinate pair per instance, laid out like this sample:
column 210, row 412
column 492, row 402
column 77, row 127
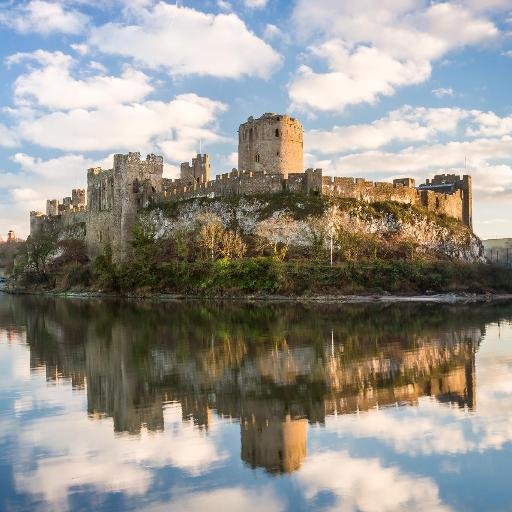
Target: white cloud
column 81, row 49
column 220, row 500
column 185, row 41
column 407, row 124
column 255, row 4
column 51, row 84
column 489, row 124
column 187, row 117
column 58, row 169
column 274, row 33
column 44, row 18
column 371, row 48
column 354, row 76
column 367, row 485
column 487, row 5
column 441, row 92
column 224, row 5
column 85, row 452
column 8, row 137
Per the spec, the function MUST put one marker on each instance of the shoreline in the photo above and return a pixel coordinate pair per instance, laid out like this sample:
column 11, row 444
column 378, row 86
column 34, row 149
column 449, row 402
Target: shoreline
column 438, row 298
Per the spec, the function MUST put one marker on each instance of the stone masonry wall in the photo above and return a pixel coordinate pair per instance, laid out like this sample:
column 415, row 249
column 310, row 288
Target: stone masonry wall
column 312, row 181
column 100, row 200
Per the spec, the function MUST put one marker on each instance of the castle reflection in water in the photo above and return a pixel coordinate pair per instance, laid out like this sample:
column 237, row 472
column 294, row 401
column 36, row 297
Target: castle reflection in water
column 275, row 369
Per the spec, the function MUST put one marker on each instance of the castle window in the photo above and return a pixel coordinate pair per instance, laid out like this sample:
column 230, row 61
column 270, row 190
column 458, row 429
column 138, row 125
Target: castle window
column 257, row 158
column 277, row 132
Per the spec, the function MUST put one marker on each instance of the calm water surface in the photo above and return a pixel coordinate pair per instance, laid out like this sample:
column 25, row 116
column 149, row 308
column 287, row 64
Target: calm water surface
column 194, row 407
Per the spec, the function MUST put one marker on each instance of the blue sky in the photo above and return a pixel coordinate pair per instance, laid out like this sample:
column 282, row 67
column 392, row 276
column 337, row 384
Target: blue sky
column 384, row 88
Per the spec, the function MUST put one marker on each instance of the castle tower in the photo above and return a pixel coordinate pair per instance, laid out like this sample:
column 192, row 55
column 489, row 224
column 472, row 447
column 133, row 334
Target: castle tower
column 276, row 445
column 52, row 207
column 198, row 172
column 272, row 144
column 114, row 197
column 450, row 184
column 78, row 196
column 135, row 183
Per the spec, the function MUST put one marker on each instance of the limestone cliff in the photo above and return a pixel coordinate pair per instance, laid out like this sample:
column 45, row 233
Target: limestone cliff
column 305, row 222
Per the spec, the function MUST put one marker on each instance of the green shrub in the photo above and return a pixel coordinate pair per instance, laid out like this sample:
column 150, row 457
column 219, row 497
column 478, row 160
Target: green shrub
column 106, row 274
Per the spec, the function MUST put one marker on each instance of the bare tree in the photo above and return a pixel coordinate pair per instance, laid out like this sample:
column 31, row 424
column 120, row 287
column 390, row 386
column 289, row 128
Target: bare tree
column 210, row 233
column 276, row 233
column 232, row 245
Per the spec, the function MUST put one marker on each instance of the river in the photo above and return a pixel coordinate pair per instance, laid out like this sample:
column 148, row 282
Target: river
column 111, row 405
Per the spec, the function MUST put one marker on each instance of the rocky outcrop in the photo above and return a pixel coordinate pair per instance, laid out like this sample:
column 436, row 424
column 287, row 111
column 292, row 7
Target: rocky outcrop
column 310, row 220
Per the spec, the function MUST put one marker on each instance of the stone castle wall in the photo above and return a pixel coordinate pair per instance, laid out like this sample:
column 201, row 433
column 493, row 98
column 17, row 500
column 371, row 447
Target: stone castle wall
column 449, row 201
column 313, row 181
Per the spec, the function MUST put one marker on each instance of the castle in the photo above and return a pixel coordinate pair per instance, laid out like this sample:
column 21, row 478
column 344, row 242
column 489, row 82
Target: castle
column 270, row 160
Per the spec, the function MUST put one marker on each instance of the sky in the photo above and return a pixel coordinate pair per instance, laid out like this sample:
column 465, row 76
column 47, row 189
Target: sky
column 383, row 88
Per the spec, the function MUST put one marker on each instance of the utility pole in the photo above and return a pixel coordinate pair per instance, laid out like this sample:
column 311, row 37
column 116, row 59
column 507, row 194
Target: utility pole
column 331, row 247
column 333, row 210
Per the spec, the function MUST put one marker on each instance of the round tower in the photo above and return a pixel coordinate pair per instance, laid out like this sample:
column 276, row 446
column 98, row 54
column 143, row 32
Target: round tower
column 273, row 144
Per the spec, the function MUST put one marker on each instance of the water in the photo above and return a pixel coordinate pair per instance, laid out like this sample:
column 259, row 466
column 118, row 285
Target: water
column 193, row 407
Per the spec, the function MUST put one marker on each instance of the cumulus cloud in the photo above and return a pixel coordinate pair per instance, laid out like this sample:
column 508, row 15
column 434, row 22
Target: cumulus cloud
column 407, row 124
column 489, row 124
column 224, row 5
column 86, row 453
column 434, row 139
column 367, row 485
column 188, row 42
column 52, row 85
column 187, row 117
column 44, row 18
column 354, row 76
column 371, row 48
